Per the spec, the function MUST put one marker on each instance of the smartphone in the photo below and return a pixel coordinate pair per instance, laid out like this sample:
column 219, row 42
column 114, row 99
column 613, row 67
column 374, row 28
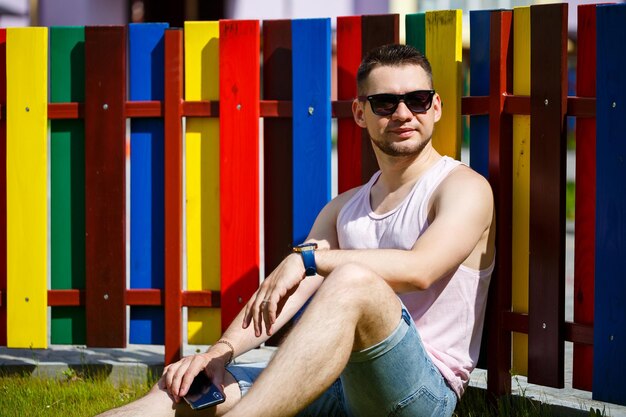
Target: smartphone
column 202, row 393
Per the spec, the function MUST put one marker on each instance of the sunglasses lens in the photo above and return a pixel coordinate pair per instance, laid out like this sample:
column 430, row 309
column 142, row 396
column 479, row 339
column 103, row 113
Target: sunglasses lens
column 419, row 101
column 384, row 104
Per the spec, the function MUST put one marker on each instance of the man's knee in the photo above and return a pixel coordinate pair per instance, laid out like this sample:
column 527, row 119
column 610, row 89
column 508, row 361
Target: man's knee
column 353, row 283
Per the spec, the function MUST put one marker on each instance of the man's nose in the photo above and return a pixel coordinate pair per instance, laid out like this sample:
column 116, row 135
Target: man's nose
column 402, row 111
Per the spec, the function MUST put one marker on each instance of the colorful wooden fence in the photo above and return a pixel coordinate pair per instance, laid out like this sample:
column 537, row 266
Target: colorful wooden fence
column 194, row 106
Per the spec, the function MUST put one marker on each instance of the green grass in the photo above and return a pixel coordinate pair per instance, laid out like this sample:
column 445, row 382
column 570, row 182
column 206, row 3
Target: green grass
column 570, row 200
column 73, row 395
column 70, row 395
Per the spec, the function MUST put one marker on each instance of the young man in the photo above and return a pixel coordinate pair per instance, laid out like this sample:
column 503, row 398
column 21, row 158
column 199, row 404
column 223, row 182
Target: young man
column 399, row 280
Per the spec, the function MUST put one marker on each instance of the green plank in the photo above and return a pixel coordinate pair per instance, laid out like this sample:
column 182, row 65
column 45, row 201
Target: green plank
column 416, row 31
column 67, row 169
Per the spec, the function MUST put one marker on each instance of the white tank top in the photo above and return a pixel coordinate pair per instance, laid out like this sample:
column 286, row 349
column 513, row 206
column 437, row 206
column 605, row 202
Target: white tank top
column 449, row 315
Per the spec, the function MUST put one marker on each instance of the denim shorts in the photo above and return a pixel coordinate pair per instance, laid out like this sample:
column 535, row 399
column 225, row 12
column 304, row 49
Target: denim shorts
column 393, row 378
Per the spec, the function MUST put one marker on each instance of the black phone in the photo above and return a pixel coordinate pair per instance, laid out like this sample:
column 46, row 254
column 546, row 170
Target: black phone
column 202, row 393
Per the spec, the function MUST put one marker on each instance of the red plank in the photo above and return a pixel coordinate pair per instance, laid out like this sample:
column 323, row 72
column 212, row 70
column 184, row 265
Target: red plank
column 173, row 196
column 105, row 198
column 349, row 133
column 584, row 239
column 239, row 164
column 3, row 188
column 66, row 298
column 376, row 30
column 500, row 178
column 201, row 299
column 548, row 105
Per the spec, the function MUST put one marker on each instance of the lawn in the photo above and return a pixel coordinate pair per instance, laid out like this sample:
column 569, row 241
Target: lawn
column 73, row 395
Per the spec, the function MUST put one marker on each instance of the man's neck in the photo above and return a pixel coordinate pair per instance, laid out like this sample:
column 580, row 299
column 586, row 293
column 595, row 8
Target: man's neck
column 397, row 172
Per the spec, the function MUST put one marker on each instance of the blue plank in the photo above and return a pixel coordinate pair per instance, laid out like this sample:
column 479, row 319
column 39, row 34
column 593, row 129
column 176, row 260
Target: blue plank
column 609, row 340
column 146, row 58
column 479, row 86
column 311, row 122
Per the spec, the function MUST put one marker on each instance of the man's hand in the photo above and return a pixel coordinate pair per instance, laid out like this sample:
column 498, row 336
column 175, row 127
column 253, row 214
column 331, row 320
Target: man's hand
column 272, row 295
column 177, row 377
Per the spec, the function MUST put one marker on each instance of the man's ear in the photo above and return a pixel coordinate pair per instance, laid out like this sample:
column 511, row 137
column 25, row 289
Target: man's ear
column 437, row 107
column 358, row 111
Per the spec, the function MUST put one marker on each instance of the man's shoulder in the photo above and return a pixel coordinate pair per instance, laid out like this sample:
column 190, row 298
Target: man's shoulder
column 463, row 181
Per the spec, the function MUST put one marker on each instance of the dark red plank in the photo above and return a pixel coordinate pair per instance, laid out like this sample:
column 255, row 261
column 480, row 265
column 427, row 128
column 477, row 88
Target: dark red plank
column 105, row 199
column 584, row 239
column 349, row 134
column 376, row 30
column 173, row 193
column 239, row 164
column 548, row 105
column 500, row 178
column 277, row 143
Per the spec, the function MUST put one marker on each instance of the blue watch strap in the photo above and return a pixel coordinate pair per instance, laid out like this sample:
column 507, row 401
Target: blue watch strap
column 308, row 258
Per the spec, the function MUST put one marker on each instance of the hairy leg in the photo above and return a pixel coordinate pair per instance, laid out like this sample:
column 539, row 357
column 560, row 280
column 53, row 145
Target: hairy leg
column 353, row 310
column 158, row 403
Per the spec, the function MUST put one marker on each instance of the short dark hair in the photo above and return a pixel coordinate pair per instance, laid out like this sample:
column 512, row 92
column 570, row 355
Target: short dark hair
column 391, row 55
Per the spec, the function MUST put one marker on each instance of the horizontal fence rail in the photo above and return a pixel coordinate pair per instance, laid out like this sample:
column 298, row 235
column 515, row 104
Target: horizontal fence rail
column 191, row 159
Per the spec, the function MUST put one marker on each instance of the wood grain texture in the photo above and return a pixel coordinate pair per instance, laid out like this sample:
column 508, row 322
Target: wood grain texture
column 311, row 122
column 173, row 183
column 521, row 184
column 239, row 164
column 444, row 51
column 146, row 82
column 105, row 185
column 67, row 182
column 27, row 187
column 548, row 104
column 202, row 175
column 500, row 172
column 584, row 238
column 609, row 341
column 349, row 133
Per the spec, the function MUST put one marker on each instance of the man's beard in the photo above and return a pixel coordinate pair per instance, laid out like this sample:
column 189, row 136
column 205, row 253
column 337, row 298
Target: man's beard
column 392, row 148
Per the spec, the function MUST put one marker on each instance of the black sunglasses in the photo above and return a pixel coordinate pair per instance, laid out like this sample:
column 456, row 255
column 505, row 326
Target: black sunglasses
column 386, row 104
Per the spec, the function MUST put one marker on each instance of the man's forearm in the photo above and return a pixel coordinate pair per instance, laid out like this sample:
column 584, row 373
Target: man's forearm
column 244, row 340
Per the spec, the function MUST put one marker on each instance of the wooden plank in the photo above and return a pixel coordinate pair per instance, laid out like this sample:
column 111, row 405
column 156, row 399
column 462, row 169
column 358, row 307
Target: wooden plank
column 3, row 189
column 521, row 184
column 479, row 125
column 416, row 31
column 67, row 182
column 311, row 122
column 348, row 133
column 500, row 173
column 105, row 185
column 584, row 239
column 609, row 342
column 444, row 51
column 277, row 143
column 146, row 82
column 547, row 194
column 239, row 164
column 173, row 182
column 376, row 30
column 479, row 86
column 27, row 187
column 202, row 177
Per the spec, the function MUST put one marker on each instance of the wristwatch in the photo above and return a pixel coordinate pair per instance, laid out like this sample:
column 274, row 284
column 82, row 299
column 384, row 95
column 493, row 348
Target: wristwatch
column 307, row 251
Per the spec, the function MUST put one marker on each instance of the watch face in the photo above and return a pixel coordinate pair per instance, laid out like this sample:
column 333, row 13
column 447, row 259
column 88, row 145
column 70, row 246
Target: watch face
column 305, row 247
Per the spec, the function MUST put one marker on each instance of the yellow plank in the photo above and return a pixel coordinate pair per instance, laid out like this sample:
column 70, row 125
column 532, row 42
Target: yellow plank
column 521, row 183
column 202, row 178
column 27, row 187
column 444, row 51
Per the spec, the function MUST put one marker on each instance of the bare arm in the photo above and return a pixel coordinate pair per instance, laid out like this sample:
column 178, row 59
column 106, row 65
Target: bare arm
column 463, row 212
column 460, row 228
